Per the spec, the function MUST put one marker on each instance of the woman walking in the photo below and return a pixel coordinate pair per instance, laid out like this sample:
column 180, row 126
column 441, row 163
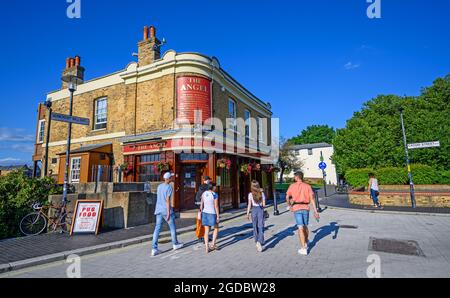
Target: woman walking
column 210, row 216
column 257, row 203
column 374, row 190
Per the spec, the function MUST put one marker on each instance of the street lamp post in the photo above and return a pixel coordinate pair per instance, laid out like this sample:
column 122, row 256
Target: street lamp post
column 72, row 81
column 48, row 105
column 408, row 162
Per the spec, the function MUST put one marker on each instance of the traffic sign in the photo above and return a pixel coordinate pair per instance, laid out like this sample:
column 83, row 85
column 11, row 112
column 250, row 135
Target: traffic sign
column 424, row 145
column 70, row 119
column 322, row 165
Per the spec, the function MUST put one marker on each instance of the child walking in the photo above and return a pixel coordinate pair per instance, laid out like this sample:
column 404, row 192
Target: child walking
column 210, row 216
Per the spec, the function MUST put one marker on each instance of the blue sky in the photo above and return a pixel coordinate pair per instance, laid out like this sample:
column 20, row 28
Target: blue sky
column 316, row 62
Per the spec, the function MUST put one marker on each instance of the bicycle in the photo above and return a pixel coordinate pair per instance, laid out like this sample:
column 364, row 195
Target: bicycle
column 37, row 222
column 343, row 188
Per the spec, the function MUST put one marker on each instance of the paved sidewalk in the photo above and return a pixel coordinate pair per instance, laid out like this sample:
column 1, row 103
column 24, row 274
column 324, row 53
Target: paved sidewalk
column 28, row 251
column 340, row 248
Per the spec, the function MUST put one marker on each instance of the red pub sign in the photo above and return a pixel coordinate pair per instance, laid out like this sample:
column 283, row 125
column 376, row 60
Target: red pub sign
column 193, row 94
column 147, row 147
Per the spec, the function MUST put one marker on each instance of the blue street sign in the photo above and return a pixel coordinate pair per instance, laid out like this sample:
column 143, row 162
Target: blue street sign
column 70, row 119
column 322, row 166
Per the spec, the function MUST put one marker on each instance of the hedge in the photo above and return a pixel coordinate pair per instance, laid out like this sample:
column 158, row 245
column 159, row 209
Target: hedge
column 17, row 194
column 422, row 174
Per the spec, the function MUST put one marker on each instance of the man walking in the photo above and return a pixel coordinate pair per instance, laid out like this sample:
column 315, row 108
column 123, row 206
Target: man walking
column 299, row 197
column 164, row 211
column 198, row 200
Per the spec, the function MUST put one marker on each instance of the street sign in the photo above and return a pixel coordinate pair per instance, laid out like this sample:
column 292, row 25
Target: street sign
column 322, row 166
column 70, row 119
column 424, row 145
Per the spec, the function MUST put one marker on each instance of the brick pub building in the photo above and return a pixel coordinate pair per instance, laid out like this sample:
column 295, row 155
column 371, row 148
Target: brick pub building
column 143, row 123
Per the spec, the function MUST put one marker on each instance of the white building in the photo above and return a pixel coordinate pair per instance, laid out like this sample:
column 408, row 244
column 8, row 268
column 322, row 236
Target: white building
column 310, row 155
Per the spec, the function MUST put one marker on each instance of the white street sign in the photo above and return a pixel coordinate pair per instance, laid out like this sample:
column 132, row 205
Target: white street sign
column 424, row 145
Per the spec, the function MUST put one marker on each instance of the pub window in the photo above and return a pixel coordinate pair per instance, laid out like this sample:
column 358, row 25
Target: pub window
column 232, row 114
column 148, row 168
column 41, row 131
column 247, row 118
column 54, row 161
column 194, row 157
column 149, row 173
column 101, row 113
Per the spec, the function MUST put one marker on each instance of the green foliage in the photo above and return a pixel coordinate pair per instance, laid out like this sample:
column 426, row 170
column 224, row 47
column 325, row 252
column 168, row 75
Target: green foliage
column 358, row 177
column 373, row 137
column 17, row 194
column 422, row 174
column 314, row 134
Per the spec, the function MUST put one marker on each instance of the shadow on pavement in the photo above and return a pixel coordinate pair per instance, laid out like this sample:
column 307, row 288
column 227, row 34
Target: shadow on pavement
column 323, row 232
column 238, row 234
column 277, row 238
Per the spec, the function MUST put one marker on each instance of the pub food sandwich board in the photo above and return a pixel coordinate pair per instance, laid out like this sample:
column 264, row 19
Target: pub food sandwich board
column 87, row 217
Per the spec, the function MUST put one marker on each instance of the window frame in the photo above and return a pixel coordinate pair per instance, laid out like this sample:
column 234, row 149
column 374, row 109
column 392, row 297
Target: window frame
column 41, row 131
column 234, row 116
column 104, row 124
column 72, row 180
column 248, row 123
column 261, row 130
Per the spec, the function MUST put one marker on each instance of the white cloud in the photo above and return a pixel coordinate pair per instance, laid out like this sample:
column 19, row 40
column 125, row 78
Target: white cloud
column 350, row 65
column 19, row 147
column 15, row 135
column 10, row 161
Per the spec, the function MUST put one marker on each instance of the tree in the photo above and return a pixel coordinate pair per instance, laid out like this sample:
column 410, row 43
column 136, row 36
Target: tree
column 373, row 137
column 314, row 134
column 288, row 161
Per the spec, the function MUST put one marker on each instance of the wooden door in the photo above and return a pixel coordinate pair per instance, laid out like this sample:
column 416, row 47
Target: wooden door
column 190, row 180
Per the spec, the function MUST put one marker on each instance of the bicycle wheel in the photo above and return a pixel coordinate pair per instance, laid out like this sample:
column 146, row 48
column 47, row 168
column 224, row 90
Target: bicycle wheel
column 66, row 223
column 33, row 224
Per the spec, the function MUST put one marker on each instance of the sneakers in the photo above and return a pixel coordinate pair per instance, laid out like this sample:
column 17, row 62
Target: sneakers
column 178, row 246
column 259, row 247
column 155, row 252
column 303, row 251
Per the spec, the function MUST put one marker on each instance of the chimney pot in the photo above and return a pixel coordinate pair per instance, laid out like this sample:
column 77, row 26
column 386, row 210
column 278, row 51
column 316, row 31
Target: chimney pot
column 77, row 60
column 152, row 32
column 68, row 63
column 145, row 33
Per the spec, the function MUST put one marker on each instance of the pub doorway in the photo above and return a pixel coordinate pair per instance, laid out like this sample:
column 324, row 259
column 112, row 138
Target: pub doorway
column 190, row 179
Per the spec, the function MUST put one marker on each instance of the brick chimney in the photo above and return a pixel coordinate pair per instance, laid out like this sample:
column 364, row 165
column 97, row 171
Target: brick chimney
column 149, row 47
column 73, row 67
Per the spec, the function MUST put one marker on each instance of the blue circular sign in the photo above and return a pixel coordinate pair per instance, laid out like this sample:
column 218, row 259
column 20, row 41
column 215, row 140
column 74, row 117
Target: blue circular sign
column 322, row 166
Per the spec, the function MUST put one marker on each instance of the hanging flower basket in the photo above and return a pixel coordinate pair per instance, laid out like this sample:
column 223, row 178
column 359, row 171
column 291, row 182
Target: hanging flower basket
column 224, row 163
column 163, row 167
column 246, row 168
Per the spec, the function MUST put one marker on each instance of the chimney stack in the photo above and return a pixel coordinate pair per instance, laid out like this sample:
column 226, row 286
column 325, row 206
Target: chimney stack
column 149, row 47
column 73, row 67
